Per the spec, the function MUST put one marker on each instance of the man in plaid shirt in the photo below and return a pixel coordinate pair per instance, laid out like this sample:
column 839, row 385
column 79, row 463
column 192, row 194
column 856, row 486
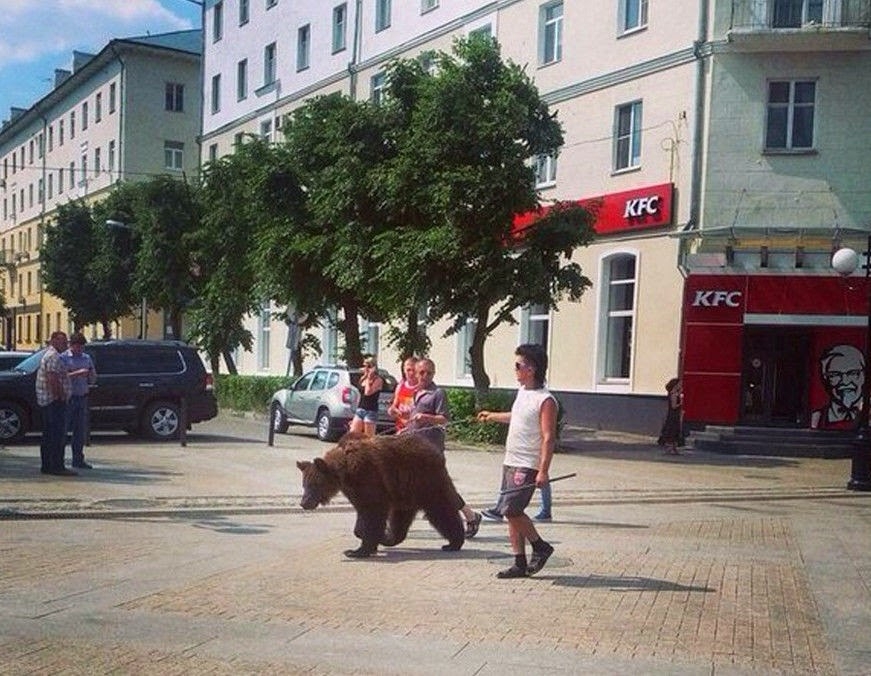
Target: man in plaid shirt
column 52, row 394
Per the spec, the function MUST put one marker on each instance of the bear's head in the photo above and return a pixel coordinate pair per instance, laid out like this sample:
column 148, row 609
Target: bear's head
column 319, row 483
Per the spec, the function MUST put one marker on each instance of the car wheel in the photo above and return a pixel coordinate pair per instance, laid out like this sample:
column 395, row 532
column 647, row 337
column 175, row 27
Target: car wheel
column 161, row 421
column 279, row 420
column 13, row 423
column 324, row 425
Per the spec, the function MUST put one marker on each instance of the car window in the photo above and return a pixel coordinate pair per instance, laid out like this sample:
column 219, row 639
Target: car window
column 333, row 380
column 303, row 383
column 114, row 360
column 320, row 380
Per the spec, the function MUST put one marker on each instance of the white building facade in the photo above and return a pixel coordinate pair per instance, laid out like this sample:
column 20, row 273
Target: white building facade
column 665, row 108
column 130, row 112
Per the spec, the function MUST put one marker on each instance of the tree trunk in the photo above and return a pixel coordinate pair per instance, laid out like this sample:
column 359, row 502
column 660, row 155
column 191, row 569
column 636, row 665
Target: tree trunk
column 350, row 327
column 230, row 362
column 297, row 361
column 476, row 353
column 107, row 329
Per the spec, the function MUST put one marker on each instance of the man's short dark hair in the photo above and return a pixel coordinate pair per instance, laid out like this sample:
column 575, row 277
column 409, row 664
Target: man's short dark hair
column 78, row 338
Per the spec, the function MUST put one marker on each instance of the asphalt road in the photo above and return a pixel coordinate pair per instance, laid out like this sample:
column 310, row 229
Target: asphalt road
column 167, row 560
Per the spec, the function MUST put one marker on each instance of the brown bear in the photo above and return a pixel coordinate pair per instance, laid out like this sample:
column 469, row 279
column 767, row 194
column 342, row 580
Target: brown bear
column 387, row 479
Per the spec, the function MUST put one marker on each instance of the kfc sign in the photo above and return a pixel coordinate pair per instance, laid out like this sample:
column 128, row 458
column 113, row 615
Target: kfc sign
column 639, row 209
column 636, row 208
column 717, row 299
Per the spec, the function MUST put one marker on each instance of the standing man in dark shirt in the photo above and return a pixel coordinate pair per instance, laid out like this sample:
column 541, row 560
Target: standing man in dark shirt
column 52, row 393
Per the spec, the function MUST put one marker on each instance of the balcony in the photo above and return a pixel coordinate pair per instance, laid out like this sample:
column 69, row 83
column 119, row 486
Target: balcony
column 812, row 25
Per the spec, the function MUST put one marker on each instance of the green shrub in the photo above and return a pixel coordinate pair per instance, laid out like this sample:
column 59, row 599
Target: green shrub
column 248, row 393
column 464, row 427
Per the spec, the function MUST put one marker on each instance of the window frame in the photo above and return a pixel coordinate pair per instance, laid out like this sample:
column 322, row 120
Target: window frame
column 303, row 47
column 545, row 170
column 607, row 317
column 383, row 9
column 791, row 106
column 244, row 12
column 633, row 135
column 340, row 28
column 638, row 9
column 173, row 93
column 532, row 318
column 218, row 21
column 378, row 88
column 174, row 150
column 215, row 94
column 270, row 63
column 545, row 25
column 242, row 80
column 428, row 6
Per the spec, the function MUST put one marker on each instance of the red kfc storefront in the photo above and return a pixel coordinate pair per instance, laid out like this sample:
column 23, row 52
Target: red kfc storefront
column 773, row 349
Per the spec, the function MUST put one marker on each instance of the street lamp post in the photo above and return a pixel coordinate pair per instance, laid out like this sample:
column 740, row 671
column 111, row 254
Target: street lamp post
column 845, row 261
column 143, row 310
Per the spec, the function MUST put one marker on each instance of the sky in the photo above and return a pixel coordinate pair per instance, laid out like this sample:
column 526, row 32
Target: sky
column 37, row 36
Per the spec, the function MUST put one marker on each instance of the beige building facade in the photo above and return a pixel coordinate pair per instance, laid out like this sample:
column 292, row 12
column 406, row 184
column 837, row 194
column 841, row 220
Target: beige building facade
column 129, row 112
column 716, row 133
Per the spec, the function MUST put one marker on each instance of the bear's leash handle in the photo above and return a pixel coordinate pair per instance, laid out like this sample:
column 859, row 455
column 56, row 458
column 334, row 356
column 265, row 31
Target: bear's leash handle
column 517, row 489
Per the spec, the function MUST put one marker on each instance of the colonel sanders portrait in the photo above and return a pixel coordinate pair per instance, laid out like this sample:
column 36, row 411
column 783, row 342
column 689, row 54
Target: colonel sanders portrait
column 842, row 369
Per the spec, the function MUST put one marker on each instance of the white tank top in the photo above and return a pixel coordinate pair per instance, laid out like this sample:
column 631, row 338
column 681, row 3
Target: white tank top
column 523, row 445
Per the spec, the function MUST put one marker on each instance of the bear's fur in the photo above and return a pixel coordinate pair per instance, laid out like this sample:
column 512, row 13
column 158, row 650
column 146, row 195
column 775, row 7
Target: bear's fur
column 387, row 479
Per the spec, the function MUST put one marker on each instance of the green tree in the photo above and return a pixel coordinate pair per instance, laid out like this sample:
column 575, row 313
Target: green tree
column 317, row 251
column 166, row 213
column 468, row 137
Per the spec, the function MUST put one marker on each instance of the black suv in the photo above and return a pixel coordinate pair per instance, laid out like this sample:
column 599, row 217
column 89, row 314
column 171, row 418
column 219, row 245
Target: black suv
column 140, row 387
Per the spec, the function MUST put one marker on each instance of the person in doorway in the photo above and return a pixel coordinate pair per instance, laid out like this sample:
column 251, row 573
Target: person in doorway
column 403, row 396
column 81, row 372
column 528, row 454
column 428, row 418
column 842, row 369
column 366, row 417
column 671, row 434
column 52, row 393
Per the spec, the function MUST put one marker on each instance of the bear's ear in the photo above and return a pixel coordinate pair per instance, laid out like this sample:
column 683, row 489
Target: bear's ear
column 323, row 467
column 303, row 465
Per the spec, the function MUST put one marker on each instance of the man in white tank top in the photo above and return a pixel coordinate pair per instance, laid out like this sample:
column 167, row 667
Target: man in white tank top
column 528, row 453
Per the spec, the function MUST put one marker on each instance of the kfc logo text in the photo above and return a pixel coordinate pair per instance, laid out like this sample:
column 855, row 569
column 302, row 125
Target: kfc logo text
column 717, row 299
column 641, row 206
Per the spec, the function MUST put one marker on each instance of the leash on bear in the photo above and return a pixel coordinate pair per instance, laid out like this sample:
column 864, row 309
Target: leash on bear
column 517, row 489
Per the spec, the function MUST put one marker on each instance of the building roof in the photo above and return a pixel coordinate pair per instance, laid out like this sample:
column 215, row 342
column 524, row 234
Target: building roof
column 182, row 41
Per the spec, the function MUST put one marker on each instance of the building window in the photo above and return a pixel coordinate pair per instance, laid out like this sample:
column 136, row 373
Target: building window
column 633, row 14
column 370, row 338
column 84, row 179
column 72, row 174
column 464, row 343
column 60, row 181
column 266, row 130
column 84, row 115
column 269, row 64
column 271, row 3
column 551, row 33
column 97, row 162
column 50, row 139
column 428, row 5
column 111, row 98
column 790, row 123
column 213, row 152
column 50, row 186
column 218, row 21
column 216, row 93
column 60, row 132
column 244, row 12
column 264, row 321
column 173, row 154
column 242, row 80
column 618, row 285
column 111, row 156
column 378, row 86
column 174, row 97
column 303, row 46
column 340, row 26
column 627, row 139
column 535, row 325
column 98, row 107
column 796, row 13
column 485, row 31
column 382, row 15
column 545, row 171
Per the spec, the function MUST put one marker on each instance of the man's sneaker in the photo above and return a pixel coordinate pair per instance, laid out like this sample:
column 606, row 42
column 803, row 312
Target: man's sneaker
column 541, row 516
column 512, row 572
column 538, row 559
column 473, row 525
column 83, row 465
column 491, row 514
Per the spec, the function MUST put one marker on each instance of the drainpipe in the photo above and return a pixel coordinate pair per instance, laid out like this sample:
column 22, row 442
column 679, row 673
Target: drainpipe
column 355, row 50
column 699, row 124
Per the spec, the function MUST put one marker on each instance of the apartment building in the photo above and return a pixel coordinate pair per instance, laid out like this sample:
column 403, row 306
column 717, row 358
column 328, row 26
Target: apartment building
column 127, row 113
column 686, row 122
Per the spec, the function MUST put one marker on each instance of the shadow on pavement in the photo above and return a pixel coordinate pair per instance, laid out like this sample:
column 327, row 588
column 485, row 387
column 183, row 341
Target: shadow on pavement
column 24, row 466
column 629, row 583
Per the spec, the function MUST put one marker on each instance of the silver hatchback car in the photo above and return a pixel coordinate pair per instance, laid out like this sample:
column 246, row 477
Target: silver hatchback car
column 325, row 398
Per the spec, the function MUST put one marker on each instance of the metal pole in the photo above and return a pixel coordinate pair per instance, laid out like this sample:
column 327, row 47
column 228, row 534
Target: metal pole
column 860, row 468
column 143, row 319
